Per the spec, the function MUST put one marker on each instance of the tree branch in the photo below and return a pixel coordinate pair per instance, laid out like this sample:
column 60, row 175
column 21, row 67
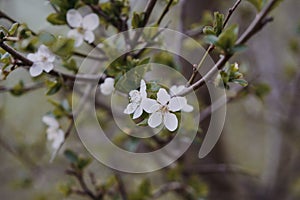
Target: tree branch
column 255, row 26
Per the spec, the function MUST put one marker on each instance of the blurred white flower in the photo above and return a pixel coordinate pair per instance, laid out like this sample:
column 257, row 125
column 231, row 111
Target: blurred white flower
column 54, row 133
column 136, row 101
column 174, row 90
column 42, row 61
column 83, row 26
column 1, row 75
column 107, row 87
column 161, row 109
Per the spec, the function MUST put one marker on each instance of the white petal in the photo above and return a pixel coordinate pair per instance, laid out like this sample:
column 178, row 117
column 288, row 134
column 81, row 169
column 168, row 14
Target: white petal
column 155, row 119
column 176, row 103
column 90, row 22
column 35, row 70
column 176, row 89
column 170, row 121
column 51, row 133
column 130, row 108
column 163, row 97
column 89, row 36
column 44, row 50
column 74, row 18
column 33, row 57
column 48, row 66
column 108, row 86
column 138, row 112
column 57, row 142
column 50, row 121
column 150, row 105
column 143, row 89
column 187, row 108
column 76, row 36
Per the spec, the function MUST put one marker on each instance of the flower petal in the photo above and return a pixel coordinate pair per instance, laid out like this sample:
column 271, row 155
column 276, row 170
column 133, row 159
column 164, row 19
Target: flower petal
column 143, row 88
column 35, row 70
column 74, row 18
column 163, row 97
column 155, row 119
column 174, row 90
column 150, row 105
column 59, row 139
column 48, row 66
column 33, row 57
column 76, row 36
column 89, row 36
column 177, row 103
column 50, row 121
column 170, row 121
column 107, row 87
column 187, row 108
column 90, row 22
column 138, row 112
column 130, row 108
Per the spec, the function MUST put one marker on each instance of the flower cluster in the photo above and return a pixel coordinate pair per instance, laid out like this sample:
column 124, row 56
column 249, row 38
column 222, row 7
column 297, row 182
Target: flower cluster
column 161, row 110
column 83, row 27
column 42, row 61
column 54, row 132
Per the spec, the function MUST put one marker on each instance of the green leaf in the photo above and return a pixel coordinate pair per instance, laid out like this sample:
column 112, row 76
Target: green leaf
column 63, row 47
column 258, row 4
column 71, row 156
column 218, row 23
column 83, row 162
column 70, row 65
column 227, row 39
column 46, row 38
column 57, row 19
column 137, row 20
column 95, row 2
column 13, row 29
column 261, row 90
column 208, row 30
column 241, row 82
column 53, row 86
column 18, row 89
column 211, row 39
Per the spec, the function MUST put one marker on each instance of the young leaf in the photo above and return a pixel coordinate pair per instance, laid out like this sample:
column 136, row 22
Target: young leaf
column 56, row 19
column 13, row 29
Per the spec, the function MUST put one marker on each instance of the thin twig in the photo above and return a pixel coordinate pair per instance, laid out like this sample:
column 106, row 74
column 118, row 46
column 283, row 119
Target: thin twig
column 231, row 11
column 255, row 26
column 165, row 11
column 5, row 16
column 121, row 187
column 26, row 88
column 26, row 63
column 169, row 187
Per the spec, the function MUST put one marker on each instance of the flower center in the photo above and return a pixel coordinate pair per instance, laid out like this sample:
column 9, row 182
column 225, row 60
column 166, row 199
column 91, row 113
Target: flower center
column 136, row 97
column 81, row 30
column 164, row 109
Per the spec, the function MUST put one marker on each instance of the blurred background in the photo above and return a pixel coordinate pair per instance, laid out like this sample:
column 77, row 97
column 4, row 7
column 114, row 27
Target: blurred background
column 257, row 156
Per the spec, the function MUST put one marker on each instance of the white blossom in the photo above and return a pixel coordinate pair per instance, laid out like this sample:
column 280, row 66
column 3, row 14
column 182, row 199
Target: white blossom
column 107, row 87
column 136, row 101
column 174, row 90
column 162, row 108
column 54, row 133
column 1, row 75
column 42, row 61
column 83, row 27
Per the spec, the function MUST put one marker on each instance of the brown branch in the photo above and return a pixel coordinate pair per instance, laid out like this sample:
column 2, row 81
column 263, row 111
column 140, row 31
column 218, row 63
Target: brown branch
column 85, row 190
column 26, row 63
column 121, row 187
column 256, row 25
column 169, row 187
column 148, row 11
column 5, row 16
column 165, row 11
column 231, row 11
